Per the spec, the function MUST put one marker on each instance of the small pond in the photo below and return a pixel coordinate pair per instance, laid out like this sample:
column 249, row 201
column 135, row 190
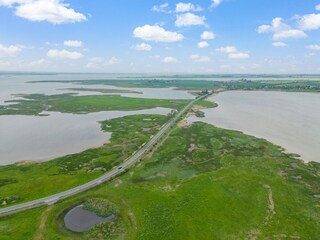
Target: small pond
column 81, row 220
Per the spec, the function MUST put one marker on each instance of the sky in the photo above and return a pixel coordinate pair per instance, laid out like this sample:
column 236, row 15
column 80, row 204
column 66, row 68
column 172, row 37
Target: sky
column 149, row 36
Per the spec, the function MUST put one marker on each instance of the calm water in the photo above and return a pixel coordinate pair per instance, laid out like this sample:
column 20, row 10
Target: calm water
column 44, row 138
column 9, row 86
column 291, row 120
column 81, row 220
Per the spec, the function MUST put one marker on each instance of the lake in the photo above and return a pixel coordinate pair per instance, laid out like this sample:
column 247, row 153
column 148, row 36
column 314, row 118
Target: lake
column 12, row 85
column 44, row 138
column 291, row 120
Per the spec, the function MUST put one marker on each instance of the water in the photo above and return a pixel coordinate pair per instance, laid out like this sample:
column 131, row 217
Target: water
column 44, row 138
column 81, row 220
column 291, row 120
column 12, row 85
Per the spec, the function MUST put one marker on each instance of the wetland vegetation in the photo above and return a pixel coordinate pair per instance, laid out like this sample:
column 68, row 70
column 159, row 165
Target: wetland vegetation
column 242, row 84
column 34, row 104
column 220, row 183
column 198, row 182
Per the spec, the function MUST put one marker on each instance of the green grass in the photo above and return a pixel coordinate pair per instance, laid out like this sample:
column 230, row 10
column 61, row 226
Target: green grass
column 101, row 207
column 206, row 183
column 34, row 104
column 21, row 225
column 20, row 183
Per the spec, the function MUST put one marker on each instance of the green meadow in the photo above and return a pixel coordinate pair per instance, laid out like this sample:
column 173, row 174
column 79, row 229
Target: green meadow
column 203, row 182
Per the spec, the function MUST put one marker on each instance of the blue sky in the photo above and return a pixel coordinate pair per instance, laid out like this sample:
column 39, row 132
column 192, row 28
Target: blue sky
column 207, row 36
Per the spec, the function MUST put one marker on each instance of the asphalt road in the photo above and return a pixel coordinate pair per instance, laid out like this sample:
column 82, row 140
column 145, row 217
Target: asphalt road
column 54, row 198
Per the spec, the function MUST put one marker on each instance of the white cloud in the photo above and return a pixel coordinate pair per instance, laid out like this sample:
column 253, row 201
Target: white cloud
column 100, row 63
column 53, row 11
column 142, row 47
column 189, row 19
column 55, row 53
column 112, row 61
column 206, row 35
column 203, row 44
column 314, row 47
column 72, row 43
column 228, row 49
column 281, row 30
column 161, row 8
column 239, row 55
column 292, row 33
column 317, row 7
column 169, row 60
column 187, row 7
column 233, row 52
column 216, row 3
column 198, row 58
column 279, row 44
column 157, row 34
column 10, row 51
column 277, row 25
column 309, row 22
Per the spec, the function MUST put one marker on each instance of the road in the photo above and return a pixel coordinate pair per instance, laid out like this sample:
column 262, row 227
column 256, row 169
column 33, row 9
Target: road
column 54, row 198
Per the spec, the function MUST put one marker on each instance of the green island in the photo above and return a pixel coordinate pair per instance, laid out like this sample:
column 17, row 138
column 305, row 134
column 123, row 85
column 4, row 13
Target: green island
column 197, row 182
column 242, row 84
column 34, row 104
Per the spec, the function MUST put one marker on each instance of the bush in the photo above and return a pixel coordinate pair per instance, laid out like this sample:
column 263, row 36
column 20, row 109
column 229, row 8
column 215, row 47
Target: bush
column 101, row 207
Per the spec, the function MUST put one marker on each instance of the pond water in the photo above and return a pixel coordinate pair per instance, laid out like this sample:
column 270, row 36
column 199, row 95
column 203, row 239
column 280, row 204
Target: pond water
column 81, row 220
column 44, row 138
column 291, row 120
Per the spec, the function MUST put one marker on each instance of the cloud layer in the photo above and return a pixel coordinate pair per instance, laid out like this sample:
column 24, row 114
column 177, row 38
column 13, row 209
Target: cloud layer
column 53, row 11
column 157, row 34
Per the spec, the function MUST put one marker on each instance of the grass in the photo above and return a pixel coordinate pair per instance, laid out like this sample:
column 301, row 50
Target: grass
column 101, row 207
column 34, row 104
column 20, row 183
column 207, row 183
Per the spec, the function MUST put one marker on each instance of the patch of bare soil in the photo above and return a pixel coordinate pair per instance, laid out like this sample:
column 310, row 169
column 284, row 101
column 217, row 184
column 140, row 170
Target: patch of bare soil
column 25, row 163
column 183, row 124
column 197, row 107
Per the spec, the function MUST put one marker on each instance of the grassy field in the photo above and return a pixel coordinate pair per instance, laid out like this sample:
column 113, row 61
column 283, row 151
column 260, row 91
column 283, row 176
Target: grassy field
column 202, row 183
column 34, row 104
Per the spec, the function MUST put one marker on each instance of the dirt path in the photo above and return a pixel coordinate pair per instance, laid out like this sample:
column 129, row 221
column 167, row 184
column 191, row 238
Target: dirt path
column 254, row 233
column 271, row 211
column 42, row 225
